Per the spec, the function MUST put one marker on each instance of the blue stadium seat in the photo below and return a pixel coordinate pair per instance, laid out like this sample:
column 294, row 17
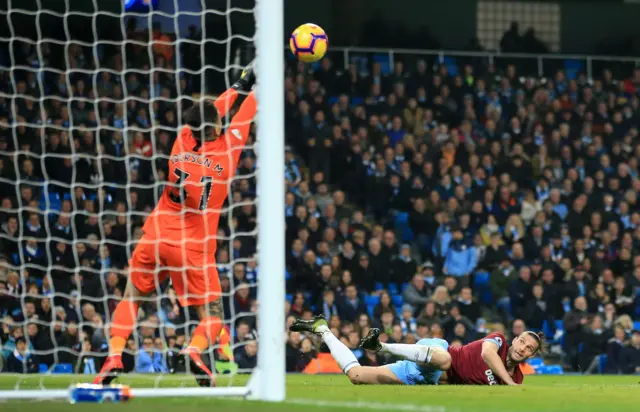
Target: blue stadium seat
column 636, row 325
column 371, row 300
column 402, row 226
column 62, row 368
column 481, row 285
column 356, row 101
column 379, row 286
column 573, row 67
column 397, row 300
column 43, row 368
column 55, row 202
column 602, row 363
column 393, row 288
column 333, row 100
column 385, row 64
column 289, row 297
column 550, row 370
column 404, row 286
column 481, row 279
column 536, row 362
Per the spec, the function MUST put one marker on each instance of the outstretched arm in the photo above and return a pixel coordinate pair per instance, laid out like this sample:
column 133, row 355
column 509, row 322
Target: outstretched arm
column 224, row 102
column 241, row 124
column 492, row 359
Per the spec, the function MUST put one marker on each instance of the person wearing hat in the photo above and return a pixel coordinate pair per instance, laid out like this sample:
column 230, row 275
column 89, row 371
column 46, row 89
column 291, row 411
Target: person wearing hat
column 408, row 322
column 459, row 258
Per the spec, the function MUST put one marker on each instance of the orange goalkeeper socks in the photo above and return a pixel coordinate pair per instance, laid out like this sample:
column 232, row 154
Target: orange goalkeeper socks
column 207, row 331
column 124, row 319
column 225, row 344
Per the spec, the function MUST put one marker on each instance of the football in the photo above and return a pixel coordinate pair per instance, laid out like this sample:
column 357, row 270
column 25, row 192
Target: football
column 309, row 43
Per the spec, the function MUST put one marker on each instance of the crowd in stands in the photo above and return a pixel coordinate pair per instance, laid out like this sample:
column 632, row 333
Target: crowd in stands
column 423, row 203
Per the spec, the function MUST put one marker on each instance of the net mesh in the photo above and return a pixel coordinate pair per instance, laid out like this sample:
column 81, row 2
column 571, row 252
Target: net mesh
column 91, row 99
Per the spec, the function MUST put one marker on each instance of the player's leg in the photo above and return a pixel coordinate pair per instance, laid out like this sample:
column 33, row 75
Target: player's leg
column 357, row 374
column 198, row 286
column 431, row 352
column 141, row 282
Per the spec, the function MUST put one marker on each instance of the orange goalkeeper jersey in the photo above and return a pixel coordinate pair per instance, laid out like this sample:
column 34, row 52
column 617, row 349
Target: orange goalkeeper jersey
column 189, row 209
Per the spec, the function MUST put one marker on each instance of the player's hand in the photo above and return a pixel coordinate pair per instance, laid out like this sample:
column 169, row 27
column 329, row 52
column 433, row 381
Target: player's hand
column 247, row 78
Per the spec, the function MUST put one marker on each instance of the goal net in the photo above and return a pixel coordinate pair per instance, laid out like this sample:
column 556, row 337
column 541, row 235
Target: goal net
column 92, row 96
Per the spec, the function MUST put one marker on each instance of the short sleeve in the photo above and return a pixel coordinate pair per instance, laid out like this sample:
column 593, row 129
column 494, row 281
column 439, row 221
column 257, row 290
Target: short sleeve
column 496, row 338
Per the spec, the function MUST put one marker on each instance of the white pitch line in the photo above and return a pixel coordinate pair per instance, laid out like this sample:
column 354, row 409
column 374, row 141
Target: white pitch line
column 368, row 405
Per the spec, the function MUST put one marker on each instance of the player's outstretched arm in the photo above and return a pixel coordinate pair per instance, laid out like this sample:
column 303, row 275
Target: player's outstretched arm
column 224, row 102
column 492, row 359
column 241, row 122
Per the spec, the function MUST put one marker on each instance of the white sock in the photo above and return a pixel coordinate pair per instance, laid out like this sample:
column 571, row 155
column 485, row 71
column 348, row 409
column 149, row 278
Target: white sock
column 343, row 355
column 413, row 353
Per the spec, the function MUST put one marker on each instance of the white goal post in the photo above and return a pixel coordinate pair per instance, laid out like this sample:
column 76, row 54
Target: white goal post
column 267, row 380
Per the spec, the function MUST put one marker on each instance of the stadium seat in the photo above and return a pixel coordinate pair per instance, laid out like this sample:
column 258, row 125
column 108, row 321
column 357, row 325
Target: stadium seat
column 636, row 325
column 450, row 63
column 573, row 67
column 385, row 64
column 397, row 300
column 371, row 300
column 379, row 286
column 62, row 368
column 53, row 199
column 602, row 363
column 356, row 101
column 536, row 362
column 43, row 368
column 481, row 279
column 481, row 285
column 402, row 226
column 550, row 370
column 289, row 297
column 393, row 288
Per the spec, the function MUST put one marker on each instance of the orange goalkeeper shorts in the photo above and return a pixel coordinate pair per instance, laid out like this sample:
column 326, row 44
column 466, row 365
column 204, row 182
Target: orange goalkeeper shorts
column 194, row 276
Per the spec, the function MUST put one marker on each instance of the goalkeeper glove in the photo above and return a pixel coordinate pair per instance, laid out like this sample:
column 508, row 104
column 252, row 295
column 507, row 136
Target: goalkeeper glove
column 247, row 78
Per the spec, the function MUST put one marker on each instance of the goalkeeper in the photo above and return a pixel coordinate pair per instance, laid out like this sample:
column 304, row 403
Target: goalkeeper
column 179, row 238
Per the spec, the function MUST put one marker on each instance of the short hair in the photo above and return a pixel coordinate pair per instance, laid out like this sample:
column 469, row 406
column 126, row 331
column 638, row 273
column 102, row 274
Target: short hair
column 199, row 116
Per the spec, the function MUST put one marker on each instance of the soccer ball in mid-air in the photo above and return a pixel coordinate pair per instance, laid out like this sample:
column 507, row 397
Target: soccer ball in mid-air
column 309, row 43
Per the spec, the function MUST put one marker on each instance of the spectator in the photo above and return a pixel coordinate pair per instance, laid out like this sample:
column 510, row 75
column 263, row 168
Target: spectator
column 246, row 356
column 351, row 306
column 629, row 360
column 459, row 257
column 614, row 348
column 575, row 323
column 416, row 293
column 150, row 360
column 21, row 360
column 501, row 278
column 408, row 323
column 385, row 304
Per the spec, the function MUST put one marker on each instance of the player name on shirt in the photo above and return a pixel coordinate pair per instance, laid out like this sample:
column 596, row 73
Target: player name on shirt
column 201, row 160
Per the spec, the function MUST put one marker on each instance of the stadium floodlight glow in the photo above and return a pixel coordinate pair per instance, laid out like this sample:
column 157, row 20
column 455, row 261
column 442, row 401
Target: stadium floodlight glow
column 267, row 381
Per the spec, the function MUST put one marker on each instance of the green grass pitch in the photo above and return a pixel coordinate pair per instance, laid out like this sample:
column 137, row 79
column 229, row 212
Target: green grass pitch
column 334, row 393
